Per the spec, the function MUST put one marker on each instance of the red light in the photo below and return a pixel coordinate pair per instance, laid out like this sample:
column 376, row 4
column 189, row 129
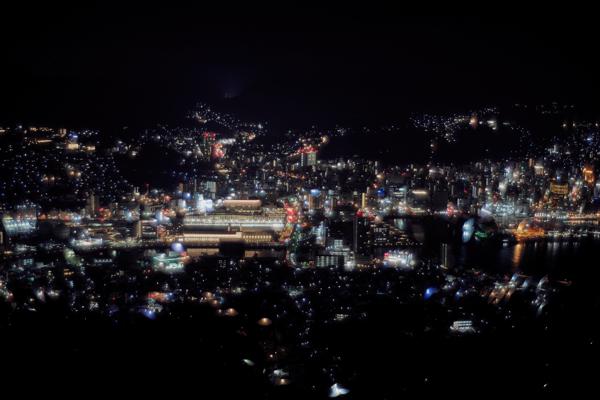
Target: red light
column 307, row 149
column 217, row 151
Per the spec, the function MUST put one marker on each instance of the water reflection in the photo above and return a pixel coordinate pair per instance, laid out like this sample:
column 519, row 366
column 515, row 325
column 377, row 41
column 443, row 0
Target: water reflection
column 563, row 260
column 517, row 255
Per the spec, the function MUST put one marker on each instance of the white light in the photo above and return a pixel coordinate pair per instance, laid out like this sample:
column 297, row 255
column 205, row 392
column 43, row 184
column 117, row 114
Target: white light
column 337, row 390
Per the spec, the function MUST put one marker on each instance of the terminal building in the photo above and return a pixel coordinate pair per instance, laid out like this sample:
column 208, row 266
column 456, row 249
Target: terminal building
column 238, row 221
column 19, row 223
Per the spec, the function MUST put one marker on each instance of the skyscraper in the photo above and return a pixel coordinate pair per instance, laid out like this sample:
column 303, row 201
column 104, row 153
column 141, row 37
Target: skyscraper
column 92, row 205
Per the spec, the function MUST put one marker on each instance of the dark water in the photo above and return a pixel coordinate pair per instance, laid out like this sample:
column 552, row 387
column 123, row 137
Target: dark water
column 567, row 259
column 560, row 260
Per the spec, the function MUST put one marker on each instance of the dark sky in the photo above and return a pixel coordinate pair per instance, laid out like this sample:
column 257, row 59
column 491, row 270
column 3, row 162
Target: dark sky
column 112, row 66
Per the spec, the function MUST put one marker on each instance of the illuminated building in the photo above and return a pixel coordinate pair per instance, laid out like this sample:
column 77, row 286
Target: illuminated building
column 588, row 175
column 149, row 229
column 308, row 156
column 380, row 235
column 462, row 326
column 72, row 146
column 92, row 205
column 343, row 253
column 330, row 203
column 234, row 221
column 314, row 200
column 87, row 242
column 171, row 262
column 216, row 238
column 329, row 261
column 19, row 223
column 528, row 230
column 320, row 233
column 420, row 198
column 240, row 205
column 446, row 256
column 202, row 205
column 539, row 169
column 400, row 259
column 360, row 234
column 211, row 188
column 138, row 229
column 559, row 189
column 237, row 221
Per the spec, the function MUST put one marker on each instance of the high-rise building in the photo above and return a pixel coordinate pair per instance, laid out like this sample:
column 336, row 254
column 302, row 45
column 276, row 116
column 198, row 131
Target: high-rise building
column 363, row 200
column 92, row 205
column 315, row 200
column 138, row 229
column 211, row 188
column 308, row 156
column 446, row 257
column 360, row 230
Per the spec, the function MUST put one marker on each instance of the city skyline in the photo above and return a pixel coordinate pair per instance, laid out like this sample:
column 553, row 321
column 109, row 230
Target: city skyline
column 301, row 203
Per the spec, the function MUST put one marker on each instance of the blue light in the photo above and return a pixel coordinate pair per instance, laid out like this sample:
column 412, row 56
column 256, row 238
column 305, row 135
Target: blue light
column 430, row 291
column 149, row 313
column 177, row 247
column 468, row 229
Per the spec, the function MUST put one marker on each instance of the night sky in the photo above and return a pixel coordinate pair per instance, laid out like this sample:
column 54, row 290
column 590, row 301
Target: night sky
column 103, row 67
